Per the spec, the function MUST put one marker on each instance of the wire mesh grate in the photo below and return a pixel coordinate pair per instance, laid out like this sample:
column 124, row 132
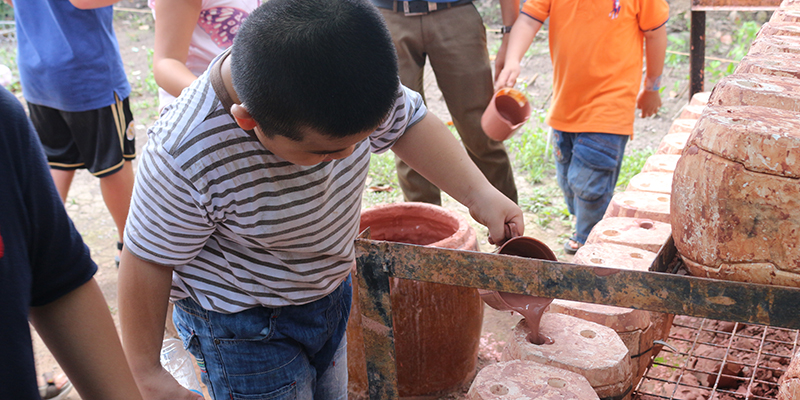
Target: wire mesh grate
column 708, row 359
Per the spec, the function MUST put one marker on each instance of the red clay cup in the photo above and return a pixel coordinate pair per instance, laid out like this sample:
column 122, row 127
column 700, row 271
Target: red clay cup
column 506, row 113
column 521, row 246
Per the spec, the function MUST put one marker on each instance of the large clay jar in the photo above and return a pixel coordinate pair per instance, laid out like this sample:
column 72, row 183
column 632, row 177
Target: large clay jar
column 735, row 196
column 437, row 327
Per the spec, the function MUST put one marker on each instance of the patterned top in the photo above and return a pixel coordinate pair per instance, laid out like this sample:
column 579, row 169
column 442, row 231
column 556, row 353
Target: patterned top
column 241, row 226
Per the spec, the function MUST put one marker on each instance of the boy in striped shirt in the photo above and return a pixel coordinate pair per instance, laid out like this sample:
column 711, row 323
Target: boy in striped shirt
column 248, row 198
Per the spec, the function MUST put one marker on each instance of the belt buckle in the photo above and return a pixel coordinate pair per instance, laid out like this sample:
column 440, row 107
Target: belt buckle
column 408, row 12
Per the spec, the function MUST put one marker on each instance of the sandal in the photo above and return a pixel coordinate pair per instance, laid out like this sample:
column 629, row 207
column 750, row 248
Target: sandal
column 50, row 391
column 116, row 257
column 568, row 246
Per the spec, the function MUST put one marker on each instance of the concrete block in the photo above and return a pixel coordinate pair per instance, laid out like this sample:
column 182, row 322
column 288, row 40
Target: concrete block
column 691, row 111
column 592, row 350
column 757, row 90
column 641, row 233
column 775, row 44
column 614, row 256
column 770, row 29
column 673, row 143
column 661, row 163
column 777, row 64
column 646, row 205
column 785, row 16
column 682, row 126
column 527, row 380
column 620, row 319
column 699, row 99
column 658, row 182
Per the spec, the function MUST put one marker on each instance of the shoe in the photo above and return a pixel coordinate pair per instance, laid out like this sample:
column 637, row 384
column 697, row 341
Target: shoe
column 116, row 257
column 50, row 391
column 568, row 246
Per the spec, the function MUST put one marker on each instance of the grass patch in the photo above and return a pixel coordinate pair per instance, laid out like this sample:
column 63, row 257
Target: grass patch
column 631, row 165
column 531, row 152
column 382, row 173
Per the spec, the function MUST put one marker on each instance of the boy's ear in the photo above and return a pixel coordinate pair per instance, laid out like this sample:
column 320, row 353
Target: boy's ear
column 243, row 118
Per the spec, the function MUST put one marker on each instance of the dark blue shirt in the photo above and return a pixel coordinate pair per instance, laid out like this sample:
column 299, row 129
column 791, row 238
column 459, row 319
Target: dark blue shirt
column 42, row 256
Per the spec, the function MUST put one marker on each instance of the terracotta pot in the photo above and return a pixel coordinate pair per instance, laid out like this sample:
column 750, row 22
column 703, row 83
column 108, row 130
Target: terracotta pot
column 437, row 327
column 507, row 112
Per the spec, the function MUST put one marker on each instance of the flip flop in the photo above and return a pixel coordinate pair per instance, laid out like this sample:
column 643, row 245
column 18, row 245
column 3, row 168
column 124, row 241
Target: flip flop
column 52, row 392
column 569, row 249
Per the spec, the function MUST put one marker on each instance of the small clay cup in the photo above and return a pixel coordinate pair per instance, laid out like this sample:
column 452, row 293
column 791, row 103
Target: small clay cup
column 506, row 113
column 522, row 246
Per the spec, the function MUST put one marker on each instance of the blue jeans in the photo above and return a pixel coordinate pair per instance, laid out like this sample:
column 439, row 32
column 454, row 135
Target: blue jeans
column 587, row 168
column 292, row 352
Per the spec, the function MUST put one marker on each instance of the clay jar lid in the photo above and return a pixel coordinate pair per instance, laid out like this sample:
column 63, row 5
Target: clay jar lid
column 764, row 140
column 522, row 246
column 757, row 90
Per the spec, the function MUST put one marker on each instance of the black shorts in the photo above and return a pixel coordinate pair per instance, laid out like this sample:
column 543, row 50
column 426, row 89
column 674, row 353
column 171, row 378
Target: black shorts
column 99, row 140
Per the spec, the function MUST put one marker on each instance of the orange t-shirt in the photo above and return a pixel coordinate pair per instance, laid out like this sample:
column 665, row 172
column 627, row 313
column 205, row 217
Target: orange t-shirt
column 597, row 59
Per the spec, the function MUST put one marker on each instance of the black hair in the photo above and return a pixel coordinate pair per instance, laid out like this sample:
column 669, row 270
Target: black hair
column 329, row 65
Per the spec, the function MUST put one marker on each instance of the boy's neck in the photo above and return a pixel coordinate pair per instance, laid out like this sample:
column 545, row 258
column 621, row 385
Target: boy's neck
column 227, row 79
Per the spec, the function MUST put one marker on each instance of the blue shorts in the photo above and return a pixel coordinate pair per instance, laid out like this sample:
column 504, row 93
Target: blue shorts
column 292, row 352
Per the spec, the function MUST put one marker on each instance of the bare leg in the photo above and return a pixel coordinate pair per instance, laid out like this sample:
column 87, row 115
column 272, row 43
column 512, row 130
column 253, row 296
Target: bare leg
column 117, row 190
column 63, row 180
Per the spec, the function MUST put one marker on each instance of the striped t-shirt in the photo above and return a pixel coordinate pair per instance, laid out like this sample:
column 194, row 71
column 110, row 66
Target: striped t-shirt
column 242, row 227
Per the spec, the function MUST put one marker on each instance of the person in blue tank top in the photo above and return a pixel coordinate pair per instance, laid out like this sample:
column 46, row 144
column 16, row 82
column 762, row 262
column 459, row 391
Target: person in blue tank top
column 77, row 93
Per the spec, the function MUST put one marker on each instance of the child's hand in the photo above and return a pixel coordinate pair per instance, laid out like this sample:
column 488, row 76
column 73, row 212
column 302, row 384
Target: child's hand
column 503, row 218
column 649, row 101
column 508, row 76
column 161, row 385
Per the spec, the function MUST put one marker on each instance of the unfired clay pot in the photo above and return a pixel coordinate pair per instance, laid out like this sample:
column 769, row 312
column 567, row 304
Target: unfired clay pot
column 437, row 327
column 507, row 112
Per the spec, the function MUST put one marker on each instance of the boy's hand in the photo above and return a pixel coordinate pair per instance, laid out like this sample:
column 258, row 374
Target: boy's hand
column 649, row 101
column 508, row 76
column 503, row 218
column 160, row 385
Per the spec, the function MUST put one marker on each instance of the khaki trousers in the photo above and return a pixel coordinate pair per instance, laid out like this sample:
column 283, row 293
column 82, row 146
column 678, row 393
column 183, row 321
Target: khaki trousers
column 455, row 41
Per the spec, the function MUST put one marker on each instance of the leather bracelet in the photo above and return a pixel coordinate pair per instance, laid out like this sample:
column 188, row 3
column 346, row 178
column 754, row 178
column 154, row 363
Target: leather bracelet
column 504, row 30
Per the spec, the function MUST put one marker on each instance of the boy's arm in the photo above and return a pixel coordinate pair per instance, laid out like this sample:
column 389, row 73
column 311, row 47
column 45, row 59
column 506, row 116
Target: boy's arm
column 175, row 23
column 143, row 289
column 79, row 331
column 649, row 99
column 521, row 37
column 509, row 10
column 430, row 148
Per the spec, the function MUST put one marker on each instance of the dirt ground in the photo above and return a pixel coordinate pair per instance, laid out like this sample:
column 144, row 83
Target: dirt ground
column 134, row 27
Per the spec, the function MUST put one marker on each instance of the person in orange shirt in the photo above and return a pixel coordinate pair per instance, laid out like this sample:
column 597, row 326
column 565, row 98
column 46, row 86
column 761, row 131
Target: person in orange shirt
column 596, row 48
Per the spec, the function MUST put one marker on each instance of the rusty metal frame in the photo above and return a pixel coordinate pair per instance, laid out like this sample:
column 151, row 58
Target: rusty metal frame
column 697, row 52
column 660, row 290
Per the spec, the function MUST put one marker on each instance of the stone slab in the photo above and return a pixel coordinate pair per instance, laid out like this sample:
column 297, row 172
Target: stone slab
column 527, row 380
column 761, row 139
column 615, row 256
column 592, row 350
column 757, row 90
column 777, row 64
column 661, row 163
column 648, row 205
column 673, row 143
column 734, row 223
column 682, row 126
column 642, row 233
column 657, row 182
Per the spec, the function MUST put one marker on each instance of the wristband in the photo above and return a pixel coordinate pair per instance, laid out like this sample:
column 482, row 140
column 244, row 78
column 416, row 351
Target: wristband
column 504, row 30
column 654, row 86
